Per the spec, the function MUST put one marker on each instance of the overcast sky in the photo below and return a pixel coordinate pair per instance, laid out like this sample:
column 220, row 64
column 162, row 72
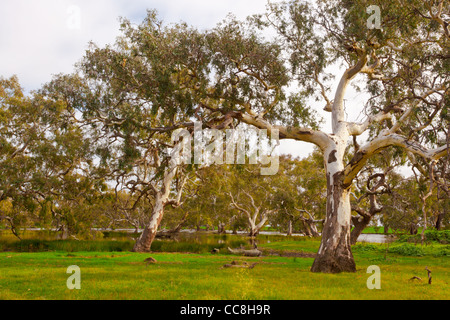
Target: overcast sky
column 39, row 38
column 44, row 37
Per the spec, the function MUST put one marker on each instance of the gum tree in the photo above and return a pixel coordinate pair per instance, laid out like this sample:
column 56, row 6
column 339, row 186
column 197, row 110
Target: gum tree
column 403, row 69
column 300, row 193
column 130, row 97
column 252, row 196
column 44, row 158
column 239, row 72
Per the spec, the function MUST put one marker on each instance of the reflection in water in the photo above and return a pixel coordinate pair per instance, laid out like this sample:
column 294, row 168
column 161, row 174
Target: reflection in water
column 192, row 236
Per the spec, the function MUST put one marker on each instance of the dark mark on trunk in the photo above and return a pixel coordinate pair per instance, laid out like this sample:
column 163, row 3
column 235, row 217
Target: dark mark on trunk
column 332, row 158
column 304, row 132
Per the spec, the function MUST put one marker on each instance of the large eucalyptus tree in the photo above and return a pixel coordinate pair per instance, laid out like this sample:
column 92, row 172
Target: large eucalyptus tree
column 402, row 67
column 267, row 71
column 130, row 97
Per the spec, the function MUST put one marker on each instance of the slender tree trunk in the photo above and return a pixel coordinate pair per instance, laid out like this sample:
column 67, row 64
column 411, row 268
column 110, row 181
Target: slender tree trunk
column 144, row 242
column 306, row 229
column 314, row 231
column 253, row 232
column 335, row 253
column 289, row 231
column 365, row 217
column 310, row 228
column 360, row 224
column 413, row 229
column 442, row 214
column 178, row 228
column 221, row 228
column 256, row 228
column 438, row 224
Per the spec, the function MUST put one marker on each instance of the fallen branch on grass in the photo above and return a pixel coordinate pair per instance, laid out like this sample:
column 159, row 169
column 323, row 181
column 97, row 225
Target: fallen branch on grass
column 415, row 278
column 248, row 253
column 235, row 264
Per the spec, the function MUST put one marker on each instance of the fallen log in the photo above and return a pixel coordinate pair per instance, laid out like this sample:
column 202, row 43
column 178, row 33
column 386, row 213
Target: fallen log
column 415, row 278
column 247, row 253
column 235, row 264
column 150, row 260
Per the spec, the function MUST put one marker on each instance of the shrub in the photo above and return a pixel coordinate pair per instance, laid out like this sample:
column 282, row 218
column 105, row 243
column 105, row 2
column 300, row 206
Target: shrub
column 364, row 247
column 443, row 252
column 439, row 236
column 407, row 249
column 442, row 237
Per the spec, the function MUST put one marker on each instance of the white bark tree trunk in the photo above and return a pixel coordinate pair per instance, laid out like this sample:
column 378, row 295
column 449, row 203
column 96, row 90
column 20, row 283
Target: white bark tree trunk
column 335, row 253
column 289, row 231
column 143, row 244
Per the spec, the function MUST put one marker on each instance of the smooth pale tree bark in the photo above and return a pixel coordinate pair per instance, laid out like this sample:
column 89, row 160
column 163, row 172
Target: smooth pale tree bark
column 179, row 226
column 162, row 198
column 13, row 226
column 143, row 244
column 248, row 84
column 289, row 231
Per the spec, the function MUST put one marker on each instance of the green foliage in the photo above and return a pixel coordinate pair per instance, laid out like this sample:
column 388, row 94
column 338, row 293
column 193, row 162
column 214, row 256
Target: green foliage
column 365, row 247
column 443, row 252
column 124, row 100
column 442, row 236
column 407, row 249
column 125, row 275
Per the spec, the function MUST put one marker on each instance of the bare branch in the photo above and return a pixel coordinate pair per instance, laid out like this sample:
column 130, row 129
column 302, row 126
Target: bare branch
column 382, row 142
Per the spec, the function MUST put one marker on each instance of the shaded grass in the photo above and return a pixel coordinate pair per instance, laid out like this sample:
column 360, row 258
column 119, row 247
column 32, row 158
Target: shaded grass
column 202, row 244
column 29, row 245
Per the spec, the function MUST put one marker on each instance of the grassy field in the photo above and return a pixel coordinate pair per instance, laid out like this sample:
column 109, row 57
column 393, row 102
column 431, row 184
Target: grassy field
column 281, row 274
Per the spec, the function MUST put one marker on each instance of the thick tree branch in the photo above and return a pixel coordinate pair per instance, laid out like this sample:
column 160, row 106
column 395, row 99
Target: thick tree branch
column 356, row 129
column 338, row 112
column 382, row 142
column 319, row 138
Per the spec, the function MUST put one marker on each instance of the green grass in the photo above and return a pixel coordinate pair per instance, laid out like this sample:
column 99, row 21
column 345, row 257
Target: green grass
column 183, row 276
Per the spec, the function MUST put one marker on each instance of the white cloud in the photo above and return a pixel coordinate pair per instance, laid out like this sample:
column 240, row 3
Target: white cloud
column 38, row 39
column 41, row 38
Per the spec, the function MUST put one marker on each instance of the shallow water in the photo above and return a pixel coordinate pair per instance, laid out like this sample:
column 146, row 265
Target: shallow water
column 375, row 238
column 202, row 237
